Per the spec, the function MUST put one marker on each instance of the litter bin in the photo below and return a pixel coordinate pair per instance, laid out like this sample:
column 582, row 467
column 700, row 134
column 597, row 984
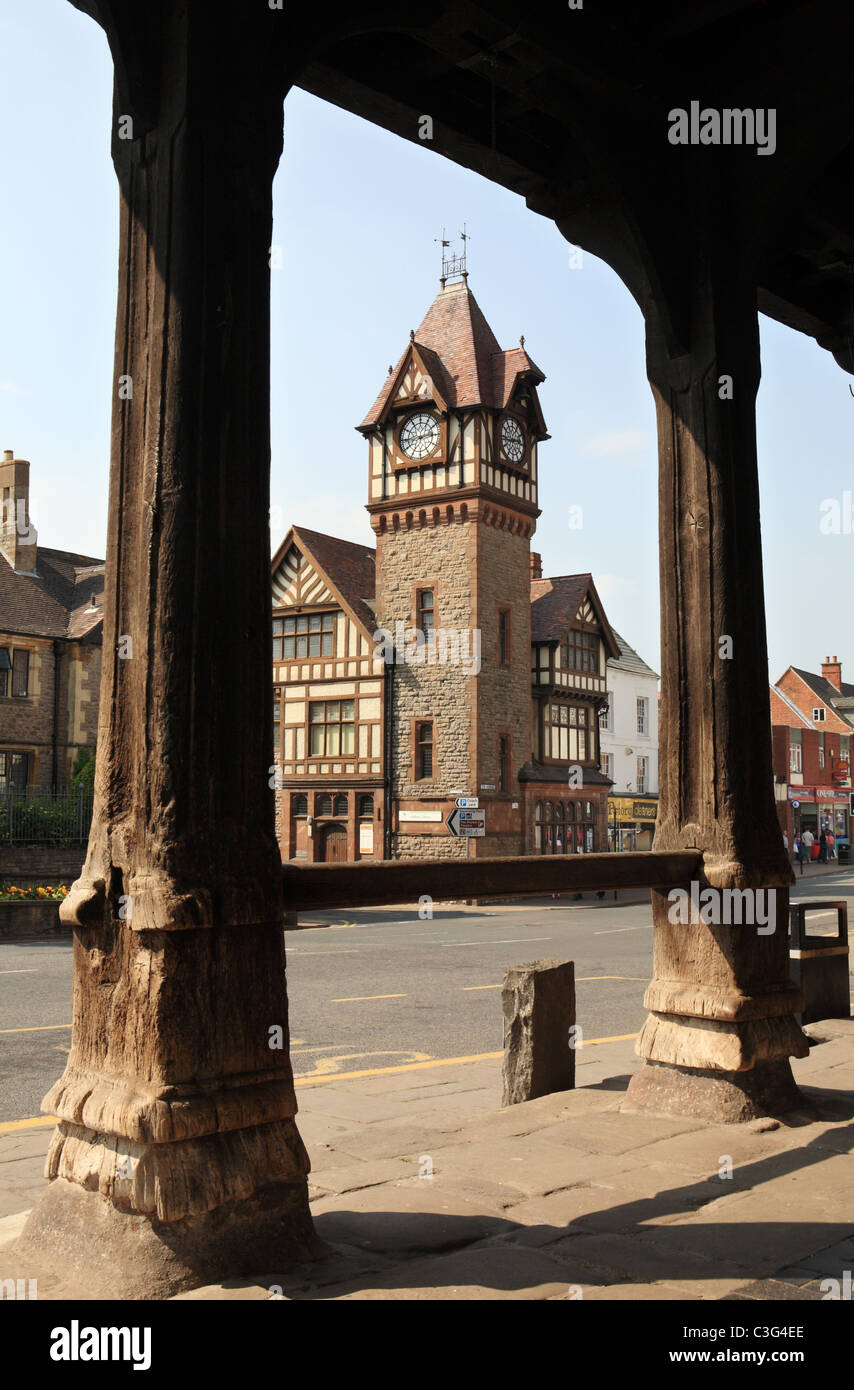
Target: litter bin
column 843, row 853
column 818, row 965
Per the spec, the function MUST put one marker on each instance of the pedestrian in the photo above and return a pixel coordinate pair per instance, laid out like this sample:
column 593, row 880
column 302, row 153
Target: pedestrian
column 822, row 847
column 799, row 851
column 786, row 843
column 807, row 842
column 831, row 845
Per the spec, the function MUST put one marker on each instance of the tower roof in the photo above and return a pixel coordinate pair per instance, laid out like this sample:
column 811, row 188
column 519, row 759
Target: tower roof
column 461, row 350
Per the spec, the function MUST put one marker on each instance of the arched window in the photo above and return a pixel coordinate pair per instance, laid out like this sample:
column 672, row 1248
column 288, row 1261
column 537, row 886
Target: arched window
column 570, row 810
column 324, row 805
column 558, row 810
column 548, row 810
column 299, row 805
column 366, row 806
column 340, row 805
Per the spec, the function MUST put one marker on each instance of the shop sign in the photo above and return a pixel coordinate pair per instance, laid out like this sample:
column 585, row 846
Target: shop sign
column 801, row 793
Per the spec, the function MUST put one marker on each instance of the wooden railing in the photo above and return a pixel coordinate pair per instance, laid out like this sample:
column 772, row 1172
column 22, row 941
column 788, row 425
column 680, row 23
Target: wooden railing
column 406, row 880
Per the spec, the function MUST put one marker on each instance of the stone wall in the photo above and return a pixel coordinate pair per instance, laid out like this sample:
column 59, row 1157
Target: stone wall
column 41, row 864
column 439, row 558
column 27, row 721
column 504, row 693
column 31, row 919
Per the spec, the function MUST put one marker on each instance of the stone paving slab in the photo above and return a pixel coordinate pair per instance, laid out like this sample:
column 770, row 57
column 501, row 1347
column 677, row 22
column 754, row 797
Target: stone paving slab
column 541, row 1200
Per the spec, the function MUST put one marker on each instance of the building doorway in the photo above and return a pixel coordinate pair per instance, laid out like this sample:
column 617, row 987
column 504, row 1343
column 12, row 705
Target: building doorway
column 333, row 844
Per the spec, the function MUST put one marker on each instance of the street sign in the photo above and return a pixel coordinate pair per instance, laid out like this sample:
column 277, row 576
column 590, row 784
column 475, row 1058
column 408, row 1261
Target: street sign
column 467, row 803
column 795, row 805
column 471, row 824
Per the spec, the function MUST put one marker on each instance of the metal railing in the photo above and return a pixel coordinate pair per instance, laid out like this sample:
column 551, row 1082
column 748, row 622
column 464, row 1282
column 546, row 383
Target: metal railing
column 45, row 818
column 401, row 881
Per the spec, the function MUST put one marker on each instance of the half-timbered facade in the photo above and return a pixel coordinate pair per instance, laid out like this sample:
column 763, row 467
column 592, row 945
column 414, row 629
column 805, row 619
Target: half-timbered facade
column 442, row 665
column 328, row 700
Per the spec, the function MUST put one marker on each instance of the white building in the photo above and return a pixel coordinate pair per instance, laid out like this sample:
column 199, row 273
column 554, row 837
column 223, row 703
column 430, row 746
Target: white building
column 629, row 749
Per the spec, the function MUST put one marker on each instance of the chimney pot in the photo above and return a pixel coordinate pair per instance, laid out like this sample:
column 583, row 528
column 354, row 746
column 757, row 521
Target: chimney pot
column 536, row 565
column 8, row 455
column 832, row 671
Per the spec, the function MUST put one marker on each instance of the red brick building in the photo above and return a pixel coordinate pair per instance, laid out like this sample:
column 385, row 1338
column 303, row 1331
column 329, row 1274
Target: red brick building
column 443, row 665
column 812, row 718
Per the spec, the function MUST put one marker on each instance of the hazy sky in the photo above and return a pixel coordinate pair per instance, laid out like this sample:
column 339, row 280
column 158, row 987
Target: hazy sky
column 357, row 212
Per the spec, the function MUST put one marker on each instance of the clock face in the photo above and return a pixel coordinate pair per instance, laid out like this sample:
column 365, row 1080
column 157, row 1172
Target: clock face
column 419, row 435
column 512, row 439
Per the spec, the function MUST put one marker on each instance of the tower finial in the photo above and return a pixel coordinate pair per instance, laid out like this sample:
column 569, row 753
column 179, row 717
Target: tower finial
column 453, row 265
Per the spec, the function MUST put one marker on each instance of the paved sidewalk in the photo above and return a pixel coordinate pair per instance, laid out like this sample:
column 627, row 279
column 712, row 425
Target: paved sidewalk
column 563, row 1197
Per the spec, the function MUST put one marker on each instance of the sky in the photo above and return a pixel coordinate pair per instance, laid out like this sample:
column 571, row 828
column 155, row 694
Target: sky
column 357, row 214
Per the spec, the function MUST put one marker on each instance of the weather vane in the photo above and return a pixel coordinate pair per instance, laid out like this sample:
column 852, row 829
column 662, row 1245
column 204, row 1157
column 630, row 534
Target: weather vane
column 453, row 264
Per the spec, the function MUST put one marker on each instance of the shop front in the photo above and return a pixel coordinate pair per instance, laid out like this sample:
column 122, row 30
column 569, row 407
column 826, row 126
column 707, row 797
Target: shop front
column 631, row 822
column 820, row 809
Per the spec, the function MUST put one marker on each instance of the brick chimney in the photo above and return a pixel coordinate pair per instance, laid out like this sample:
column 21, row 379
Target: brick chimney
column 536, row 565
column 18, row 539
column 832, row 671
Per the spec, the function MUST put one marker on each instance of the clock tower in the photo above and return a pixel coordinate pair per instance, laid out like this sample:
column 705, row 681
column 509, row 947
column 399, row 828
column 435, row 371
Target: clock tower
column 452, row 443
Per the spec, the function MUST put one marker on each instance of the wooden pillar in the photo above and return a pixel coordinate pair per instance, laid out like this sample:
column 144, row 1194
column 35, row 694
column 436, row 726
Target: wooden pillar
column 721, row 1025
column 177, row 1159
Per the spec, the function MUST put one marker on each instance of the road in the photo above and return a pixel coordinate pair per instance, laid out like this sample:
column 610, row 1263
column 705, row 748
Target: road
column 380, row 988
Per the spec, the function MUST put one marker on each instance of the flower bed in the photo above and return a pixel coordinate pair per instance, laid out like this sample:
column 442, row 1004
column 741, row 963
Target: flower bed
column 9, row 893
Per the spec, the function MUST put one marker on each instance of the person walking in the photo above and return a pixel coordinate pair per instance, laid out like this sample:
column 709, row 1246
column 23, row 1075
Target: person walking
column 822, row 847
column 807, row 842
column 831, row 845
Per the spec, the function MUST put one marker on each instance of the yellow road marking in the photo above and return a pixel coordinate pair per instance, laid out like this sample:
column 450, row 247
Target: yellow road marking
column 388, row 1071
column 45, row 1028
column 8, row 1125
column 360, row 998
column 329, row 1066
column 644, row 979
column 345, row 1076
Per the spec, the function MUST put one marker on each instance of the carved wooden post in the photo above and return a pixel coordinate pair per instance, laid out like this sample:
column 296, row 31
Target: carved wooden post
column 721, row 1027
column 177, row 1104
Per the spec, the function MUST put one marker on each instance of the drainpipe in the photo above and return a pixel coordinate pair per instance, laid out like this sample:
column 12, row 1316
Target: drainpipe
column 389, row 741
column 58, row 648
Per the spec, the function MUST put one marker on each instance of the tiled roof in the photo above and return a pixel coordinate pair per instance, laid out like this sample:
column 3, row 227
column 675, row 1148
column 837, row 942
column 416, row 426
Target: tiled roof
column 822, row 687
column 461, row 350
column 350, row 568
column 628, row 660
column 555, row 602
column 828, row 693
column 53, row 602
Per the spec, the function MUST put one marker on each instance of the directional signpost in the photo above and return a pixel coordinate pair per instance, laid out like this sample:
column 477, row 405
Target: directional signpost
column 470, row 823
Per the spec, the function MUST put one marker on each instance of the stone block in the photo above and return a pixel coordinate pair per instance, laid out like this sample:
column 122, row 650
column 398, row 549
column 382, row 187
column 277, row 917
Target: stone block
column 538, row 1000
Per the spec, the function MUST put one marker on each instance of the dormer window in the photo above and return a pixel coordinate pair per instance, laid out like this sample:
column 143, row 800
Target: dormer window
column 818, row 714
column 580, row 652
